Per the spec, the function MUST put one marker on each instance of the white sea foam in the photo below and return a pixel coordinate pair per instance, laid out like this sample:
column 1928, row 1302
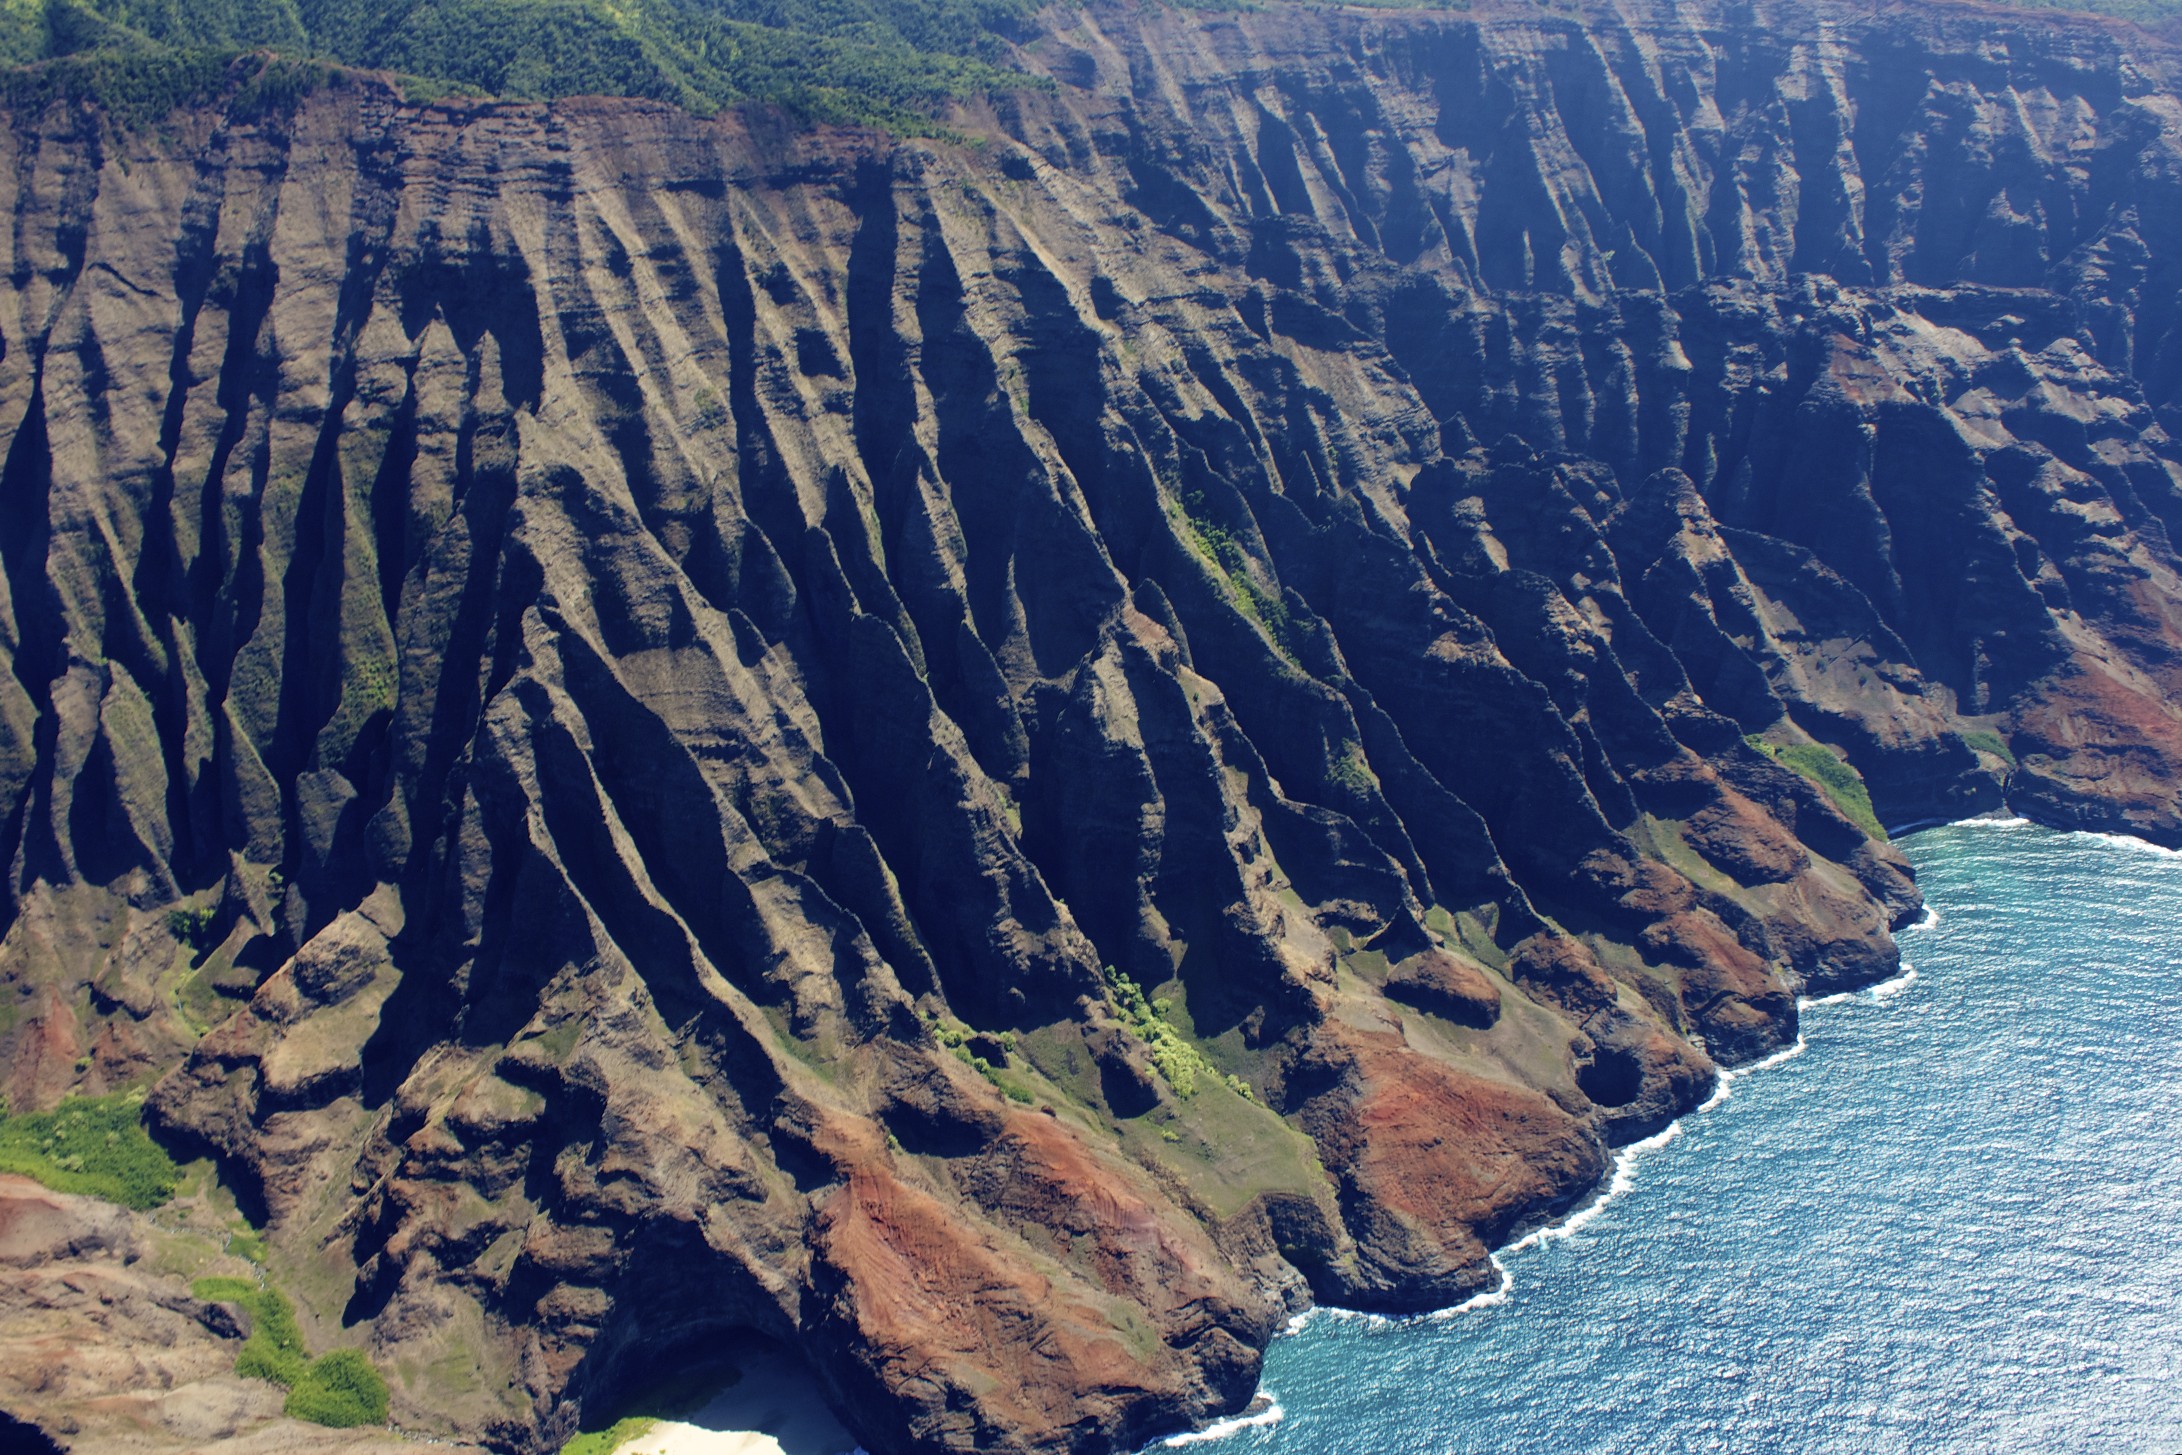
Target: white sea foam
column 1726, row 1086
column 1621, row 1181
column 1724, row 1350
column 1887, row 990
column 2127, row 841
column 1270, row 1413
column 1623, row 1178
column 1299, row 1321
column 1785, row 1053
column 1883, row 992
column 1929, row 920
column 1490, row 1298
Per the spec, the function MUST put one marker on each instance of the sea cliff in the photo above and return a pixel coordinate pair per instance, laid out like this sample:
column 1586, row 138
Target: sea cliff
column 999, row 758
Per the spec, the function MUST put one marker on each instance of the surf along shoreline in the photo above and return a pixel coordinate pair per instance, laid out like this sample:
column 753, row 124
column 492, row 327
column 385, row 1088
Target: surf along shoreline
column 671, row 1437
column 1265, row 1408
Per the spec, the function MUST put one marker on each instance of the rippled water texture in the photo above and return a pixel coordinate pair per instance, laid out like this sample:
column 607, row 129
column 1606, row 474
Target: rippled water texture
column 1953, row 1224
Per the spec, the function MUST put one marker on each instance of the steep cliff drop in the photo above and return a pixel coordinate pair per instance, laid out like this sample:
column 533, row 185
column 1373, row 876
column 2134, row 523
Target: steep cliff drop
column 998, row 759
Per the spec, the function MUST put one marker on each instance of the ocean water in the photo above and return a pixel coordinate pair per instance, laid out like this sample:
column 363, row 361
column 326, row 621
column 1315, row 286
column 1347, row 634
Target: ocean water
column 1950, row 1221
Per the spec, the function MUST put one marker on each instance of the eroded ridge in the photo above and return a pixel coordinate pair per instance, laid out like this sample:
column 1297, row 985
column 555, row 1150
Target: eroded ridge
column 999, row 762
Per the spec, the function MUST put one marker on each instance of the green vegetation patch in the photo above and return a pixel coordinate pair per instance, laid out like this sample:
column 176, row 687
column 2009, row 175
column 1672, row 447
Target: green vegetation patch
column 275, row 1348
column 139, row 83
column 211, row 993
column 1823, row 766
column 1266, row 608
column 957, row 1039
column 340, row 1390
column 192, row 924
column 1352, row 770
column 93, row 1145
column 1178, row 1060
column 248, row 1244
column 1985, row 740
column 604, row 1442
column 885, row 62
column 678, row 1396
column 558, row 1041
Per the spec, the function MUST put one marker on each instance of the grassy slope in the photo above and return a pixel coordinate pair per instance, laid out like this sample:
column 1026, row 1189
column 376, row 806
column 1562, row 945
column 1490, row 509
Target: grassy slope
column 1823, row 766
column 91, row 1145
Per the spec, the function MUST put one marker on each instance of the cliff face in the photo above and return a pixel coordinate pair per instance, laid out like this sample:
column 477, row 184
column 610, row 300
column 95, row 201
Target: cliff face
column 999, row 761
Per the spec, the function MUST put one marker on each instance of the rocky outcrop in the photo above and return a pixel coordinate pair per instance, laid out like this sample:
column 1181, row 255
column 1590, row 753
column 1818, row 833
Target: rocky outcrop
column 102, row 1341
column 997, row 761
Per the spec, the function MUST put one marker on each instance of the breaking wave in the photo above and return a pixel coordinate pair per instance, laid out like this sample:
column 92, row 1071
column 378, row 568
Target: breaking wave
column 1728, row 1078
column 1262, row 1416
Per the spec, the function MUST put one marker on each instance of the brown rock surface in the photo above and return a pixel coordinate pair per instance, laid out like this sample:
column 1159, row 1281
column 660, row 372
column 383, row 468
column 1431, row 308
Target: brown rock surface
column 678, row 652
column 102, row 1346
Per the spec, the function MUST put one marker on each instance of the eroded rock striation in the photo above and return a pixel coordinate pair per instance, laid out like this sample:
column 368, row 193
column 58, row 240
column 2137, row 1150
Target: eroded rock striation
column 999, row 759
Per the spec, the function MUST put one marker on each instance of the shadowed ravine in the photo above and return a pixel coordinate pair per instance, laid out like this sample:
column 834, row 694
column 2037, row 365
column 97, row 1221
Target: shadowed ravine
column 1001, row 759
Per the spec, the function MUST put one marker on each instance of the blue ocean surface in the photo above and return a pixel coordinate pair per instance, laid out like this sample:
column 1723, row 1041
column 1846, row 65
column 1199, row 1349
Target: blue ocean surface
column 1952, row 1221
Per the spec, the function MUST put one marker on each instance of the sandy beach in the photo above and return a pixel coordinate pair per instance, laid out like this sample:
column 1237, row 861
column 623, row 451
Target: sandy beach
column 773, row 1408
